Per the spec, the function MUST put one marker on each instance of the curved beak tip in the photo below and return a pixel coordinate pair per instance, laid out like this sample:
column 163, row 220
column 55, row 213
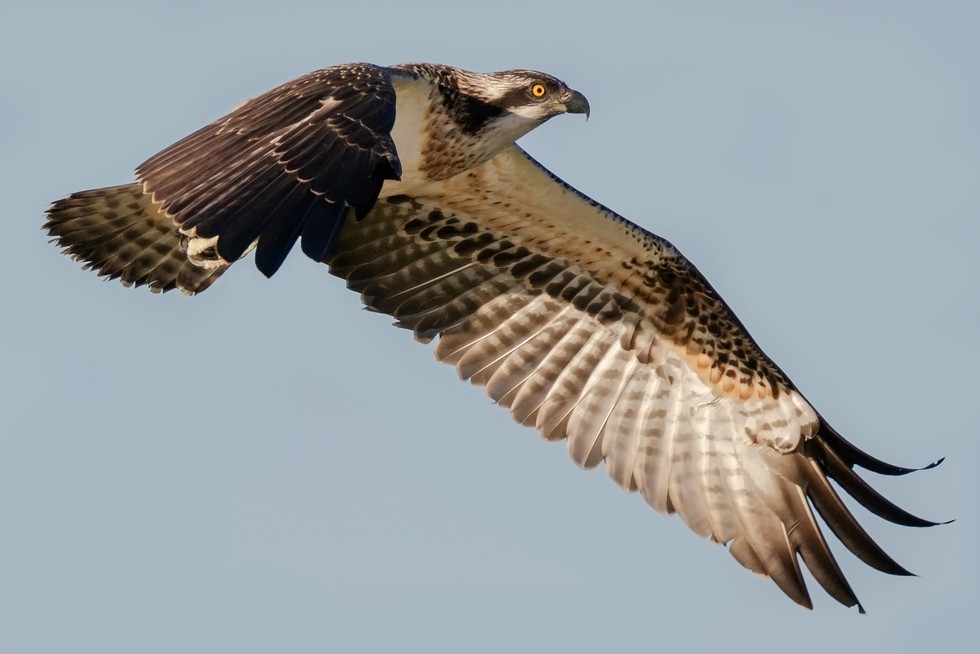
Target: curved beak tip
column 577, row 104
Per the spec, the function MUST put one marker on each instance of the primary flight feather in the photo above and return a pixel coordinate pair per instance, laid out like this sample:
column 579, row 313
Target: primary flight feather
column 406, row 181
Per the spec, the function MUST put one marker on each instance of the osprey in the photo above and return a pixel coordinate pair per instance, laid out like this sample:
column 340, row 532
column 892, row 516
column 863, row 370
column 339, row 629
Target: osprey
column 406, row 181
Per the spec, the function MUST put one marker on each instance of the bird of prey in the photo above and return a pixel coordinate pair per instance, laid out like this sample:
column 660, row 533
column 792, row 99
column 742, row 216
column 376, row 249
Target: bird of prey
column 407, row 182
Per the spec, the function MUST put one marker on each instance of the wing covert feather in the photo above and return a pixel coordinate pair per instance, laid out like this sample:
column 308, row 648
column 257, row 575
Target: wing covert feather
column 286, row 164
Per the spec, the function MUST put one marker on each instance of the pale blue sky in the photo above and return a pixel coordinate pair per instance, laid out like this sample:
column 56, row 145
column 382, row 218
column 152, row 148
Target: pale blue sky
column 268, row 468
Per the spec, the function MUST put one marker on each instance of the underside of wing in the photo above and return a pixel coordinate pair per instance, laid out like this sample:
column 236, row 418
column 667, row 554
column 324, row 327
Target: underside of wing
column 119, row 233
column 590, row 330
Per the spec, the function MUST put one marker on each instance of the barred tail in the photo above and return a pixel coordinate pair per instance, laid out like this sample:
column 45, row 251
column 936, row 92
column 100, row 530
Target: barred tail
column 119, row 233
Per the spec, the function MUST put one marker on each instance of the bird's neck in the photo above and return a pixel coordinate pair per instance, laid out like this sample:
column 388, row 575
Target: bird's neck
column 439, row 137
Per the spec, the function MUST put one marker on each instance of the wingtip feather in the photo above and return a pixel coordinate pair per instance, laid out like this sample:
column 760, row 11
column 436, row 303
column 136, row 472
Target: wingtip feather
column 852, row 455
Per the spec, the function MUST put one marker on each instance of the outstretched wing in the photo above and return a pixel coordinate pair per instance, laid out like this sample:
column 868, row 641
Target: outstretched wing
column 592, row 330
column 287, row 163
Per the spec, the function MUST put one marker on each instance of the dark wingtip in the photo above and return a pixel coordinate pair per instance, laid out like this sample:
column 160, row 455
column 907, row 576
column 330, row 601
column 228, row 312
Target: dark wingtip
column 321, row 229
column 852, row 455
column 839, row 470
column 905, row 471
column 387, row 168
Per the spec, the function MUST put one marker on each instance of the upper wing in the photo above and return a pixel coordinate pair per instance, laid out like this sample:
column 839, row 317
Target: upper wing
column 287, row 163
column 591, row 329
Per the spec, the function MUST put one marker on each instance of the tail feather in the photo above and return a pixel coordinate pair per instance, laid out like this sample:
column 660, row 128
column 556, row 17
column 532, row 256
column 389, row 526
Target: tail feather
column 119, row 233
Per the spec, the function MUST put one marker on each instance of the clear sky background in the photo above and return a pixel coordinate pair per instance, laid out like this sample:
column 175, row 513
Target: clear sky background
column 267, row 468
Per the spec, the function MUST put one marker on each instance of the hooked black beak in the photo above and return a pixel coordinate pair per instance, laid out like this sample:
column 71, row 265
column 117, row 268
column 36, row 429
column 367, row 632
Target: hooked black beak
column 575, row 103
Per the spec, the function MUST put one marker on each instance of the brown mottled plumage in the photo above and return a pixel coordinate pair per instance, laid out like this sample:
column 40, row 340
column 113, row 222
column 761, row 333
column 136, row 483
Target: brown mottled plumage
column 120, row 233
column 580, row 323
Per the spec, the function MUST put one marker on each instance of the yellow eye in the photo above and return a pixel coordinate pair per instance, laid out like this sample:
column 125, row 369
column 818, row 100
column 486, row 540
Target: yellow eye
column 538, row 90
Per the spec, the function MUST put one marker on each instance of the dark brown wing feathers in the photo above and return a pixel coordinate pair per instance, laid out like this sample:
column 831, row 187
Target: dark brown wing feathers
column 284, row 165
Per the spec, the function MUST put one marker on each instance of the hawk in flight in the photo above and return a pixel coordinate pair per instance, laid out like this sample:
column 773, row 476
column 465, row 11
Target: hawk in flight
column 406, row 181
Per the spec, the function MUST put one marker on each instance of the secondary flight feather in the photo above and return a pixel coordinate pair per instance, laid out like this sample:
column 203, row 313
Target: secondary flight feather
column 406, row 181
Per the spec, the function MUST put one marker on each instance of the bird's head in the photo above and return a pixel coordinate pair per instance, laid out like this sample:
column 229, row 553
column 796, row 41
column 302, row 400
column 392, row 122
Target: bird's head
column 483, row 113
column 513, row 102
column 532, row 95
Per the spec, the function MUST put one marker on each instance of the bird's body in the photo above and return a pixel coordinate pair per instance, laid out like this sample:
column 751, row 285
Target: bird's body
column 407, row 183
